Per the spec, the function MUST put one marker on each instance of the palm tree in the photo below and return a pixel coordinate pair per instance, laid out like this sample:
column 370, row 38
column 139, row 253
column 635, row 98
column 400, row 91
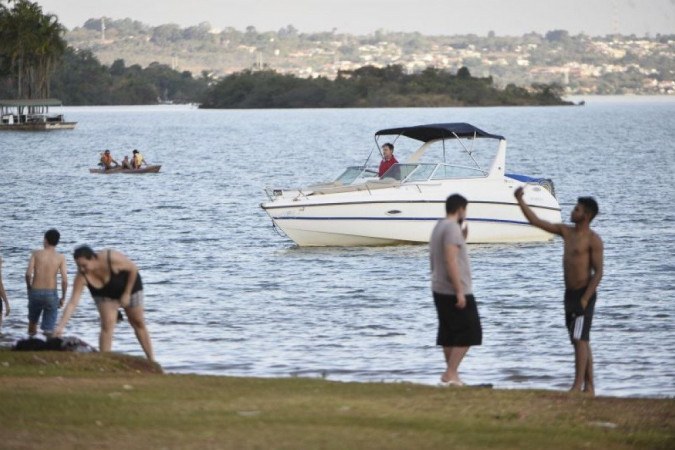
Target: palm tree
column 31, row 44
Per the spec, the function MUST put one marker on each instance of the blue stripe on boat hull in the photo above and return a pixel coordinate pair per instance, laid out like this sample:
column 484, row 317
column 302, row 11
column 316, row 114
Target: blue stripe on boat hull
column 515, row 222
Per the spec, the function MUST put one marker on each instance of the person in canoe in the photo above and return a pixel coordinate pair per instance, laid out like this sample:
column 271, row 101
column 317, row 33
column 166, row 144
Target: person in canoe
column 107, row 160
column 126, row 163
column 137, row 160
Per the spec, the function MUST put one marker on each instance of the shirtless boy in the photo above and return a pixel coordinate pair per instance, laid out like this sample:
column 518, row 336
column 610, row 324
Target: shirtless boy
column 582, row 267
column 43, row 299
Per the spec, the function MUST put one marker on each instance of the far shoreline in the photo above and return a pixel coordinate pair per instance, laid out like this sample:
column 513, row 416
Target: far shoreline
column 575, row 99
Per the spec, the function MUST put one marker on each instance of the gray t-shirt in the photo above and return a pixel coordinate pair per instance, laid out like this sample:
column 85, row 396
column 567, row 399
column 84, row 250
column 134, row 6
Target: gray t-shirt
column 448, row 232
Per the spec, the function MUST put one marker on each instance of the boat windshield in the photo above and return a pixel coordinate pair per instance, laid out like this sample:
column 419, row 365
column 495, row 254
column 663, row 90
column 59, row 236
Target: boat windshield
column 448, row 171
column 424, row 172
column 355, row 174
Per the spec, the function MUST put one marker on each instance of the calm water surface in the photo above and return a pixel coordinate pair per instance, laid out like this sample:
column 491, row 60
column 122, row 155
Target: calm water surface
column 226, row 295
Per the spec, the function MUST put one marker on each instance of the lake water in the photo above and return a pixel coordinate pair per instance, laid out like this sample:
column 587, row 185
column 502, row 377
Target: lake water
column 226, row 295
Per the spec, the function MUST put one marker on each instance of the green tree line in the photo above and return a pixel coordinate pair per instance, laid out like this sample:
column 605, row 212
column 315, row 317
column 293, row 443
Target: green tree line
column 36, row 63
column 371, row 86
column 31, row 45
column 82, row 80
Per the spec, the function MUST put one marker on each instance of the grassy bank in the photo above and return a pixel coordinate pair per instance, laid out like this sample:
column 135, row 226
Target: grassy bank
column 60, row 400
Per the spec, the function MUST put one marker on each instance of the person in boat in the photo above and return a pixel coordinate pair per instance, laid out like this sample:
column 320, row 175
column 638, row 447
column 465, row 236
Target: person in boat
column 582, row 267
column 137, row 160
column 107, row 160
column 388, row 158
column 459, row 325
column 114, row 282
column 126, row 163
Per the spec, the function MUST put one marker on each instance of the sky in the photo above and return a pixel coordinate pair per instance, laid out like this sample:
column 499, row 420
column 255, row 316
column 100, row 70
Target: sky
column 429, row 17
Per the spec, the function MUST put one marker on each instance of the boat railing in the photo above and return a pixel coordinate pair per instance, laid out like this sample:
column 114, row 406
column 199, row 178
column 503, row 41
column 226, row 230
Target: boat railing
column 367, row 186
column 345, row 182
column 353, row 179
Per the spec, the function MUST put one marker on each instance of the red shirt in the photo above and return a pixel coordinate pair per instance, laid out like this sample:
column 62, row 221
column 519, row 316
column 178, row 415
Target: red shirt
column 385, row 165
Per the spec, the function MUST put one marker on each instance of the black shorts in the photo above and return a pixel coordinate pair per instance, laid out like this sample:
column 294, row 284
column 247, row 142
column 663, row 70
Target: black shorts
column 457, row 327
column 578, row 320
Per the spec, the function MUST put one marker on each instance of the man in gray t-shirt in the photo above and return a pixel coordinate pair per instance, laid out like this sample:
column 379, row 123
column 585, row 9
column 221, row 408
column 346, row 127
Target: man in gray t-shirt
column 458, row 320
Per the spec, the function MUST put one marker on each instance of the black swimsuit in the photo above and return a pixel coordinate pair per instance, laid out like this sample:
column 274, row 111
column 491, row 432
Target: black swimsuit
column 114, row 288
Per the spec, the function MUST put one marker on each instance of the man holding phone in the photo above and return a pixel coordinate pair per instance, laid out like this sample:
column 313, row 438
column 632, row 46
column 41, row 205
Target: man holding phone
column 458, row 321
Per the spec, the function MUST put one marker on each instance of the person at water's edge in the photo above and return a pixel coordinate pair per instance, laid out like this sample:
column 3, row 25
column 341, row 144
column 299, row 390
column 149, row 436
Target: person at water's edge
column 44, row 266
column 582, row 266
column 458, row 321
column 113, row 281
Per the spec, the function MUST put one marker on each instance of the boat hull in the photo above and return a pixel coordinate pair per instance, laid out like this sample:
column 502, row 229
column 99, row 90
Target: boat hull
column 378, row 230
column 118, row 170
column 374, row 218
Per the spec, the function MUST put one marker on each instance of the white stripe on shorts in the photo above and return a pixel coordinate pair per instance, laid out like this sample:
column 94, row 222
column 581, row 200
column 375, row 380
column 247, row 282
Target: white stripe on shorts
column 578, row 327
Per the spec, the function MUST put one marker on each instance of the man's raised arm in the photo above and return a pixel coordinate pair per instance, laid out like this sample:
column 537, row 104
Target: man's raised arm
column 555, row 228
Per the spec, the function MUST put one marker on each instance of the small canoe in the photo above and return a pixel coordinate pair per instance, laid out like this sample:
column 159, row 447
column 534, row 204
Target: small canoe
column 145, row 169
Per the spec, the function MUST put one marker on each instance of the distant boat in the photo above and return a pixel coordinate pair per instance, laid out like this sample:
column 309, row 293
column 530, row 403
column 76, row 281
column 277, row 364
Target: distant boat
column 147, row 169
column 32, row 115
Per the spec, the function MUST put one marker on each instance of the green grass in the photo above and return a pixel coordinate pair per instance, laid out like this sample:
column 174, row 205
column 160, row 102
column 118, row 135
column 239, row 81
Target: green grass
column 60, row 400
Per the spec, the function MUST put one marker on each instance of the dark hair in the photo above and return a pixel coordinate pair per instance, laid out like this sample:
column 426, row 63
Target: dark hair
column 454, row 203
column 590, row 205
column 389, row 145
column 84, row 251
column 52, row 236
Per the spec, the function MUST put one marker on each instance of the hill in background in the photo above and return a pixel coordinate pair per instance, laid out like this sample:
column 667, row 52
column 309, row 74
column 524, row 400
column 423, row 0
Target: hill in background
column 580, row 64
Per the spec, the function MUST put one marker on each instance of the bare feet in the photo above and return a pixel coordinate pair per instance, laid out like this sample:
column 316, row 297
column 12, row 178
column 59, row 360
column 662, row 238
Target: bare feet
column 587, row 390
column 450, row 381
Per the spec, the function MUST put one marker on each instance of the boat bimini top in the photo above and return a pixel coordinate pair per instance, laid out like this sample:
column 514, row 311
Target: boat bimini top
column 429, row 134
column 436, row 131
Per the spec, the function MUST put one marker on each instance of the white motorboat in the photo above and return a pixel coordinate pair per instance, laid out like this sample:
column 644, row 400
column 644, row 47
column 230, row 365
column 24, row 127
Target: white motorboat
column 402, row 206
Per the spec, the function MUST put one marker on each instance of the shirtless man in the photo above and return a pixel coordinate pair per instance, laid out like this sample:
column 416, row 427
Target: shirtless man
column 43, row 299
column 582, row 266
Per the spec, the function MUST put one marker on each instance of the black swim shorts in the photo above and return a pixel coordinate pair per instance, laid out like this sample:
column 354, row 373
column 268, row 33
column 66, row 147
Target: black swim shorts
column 457, row 327
column 577, row 319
